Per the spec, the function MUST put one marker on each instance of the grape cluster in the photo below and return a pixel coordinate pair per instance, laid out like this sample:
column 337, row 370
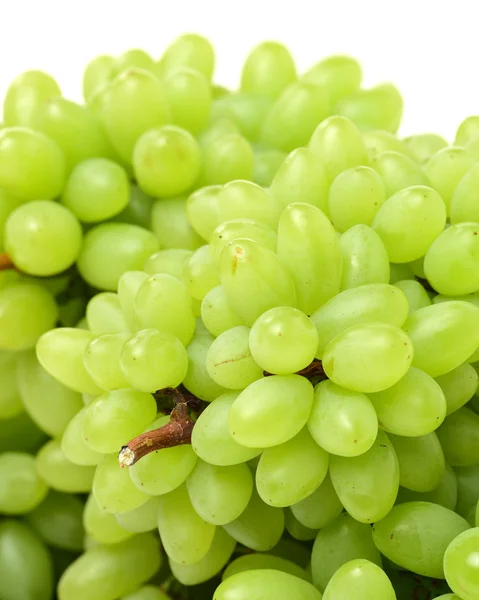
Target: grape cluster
column 239, row 337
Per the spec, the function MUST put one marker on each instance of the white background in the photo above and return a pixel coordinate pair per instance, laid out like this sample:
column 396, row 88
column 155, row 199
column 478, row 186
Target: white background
column 429, row 48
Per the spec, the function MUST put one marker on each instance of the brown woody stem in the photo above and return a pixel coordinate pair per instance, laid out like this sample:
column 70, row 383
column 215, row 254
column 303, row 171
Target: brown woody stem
column 312, row 372
column 5, row 262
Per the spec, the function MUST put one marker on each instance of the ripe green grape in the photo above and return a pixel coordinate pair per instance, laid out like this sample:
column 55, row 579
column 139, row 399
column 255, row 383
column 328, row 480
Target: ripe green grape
column 197, row 379
column 102, row 526
column 74, row 446
column 246, row 109
column 415, row 535
column 460, row 564
column 369, row 357
column 421, row 461
column 415, row 293
column 128, row 285
column 102, row 360
column 225, row 158
column 11, row 403
column 211, row 439
column 141, row 519
column 414, row 406
column 25, row 95
column 459, row 437
column 138, row 209
column 300, row 462
column 260, row 560
column 295, row 115
column 271, row 411
column 166, row 161
column 60, row 473
column 359, row 579
column 319, row 508
column 152, row 360
column 189, row 50
column 97, row 74
column 459, row 386
column 378, row 141
column 200, row 274
column 167, row 262
column 147, row 592
column 301, row 178
column 342, row 422
column 309, row 248
column 398, row 171
column 464, row 200
column 170, row 225
column 443, row 335
column 202, row 210
column 445, row 494
column 266, row 584
column 266, row 162
column 422, row 146
column 189, row 96
column 110, row 249
column 339, row 542
column 240, row 228
column 268, row 69
column 367, row 485
column 216, row 312
column 104, row 314
column 22, row 488
column 296, row 529
column 365, row 258
column 259, row 527
column 340, row 74
column 246, row 200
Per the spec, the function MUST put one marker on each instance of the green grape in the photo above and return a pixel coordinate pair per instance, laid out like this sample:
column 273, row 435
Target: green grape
column 29, row 231
column 409, row 221
column 246, row 109
column 445, row 494
column 467, row 131
column 421, row 461
column 166, row 161
column 110, row 249
column 472, row 298
column 301, row 178
column 226, row 158
column 200, row 274
column 107, row 572
column 60, row 353
column 197, row 379
column 165, row 470
column 464, row 200
column 25, row 563
column 104, row 314
column 300, row 462
column 169, row 223
column 189, row 96
column 467, row 489
column 212, row 563
column 365, row 258
column 202, row 210
column 448, row 597
column 255, row 561
column 134, row 58
column 128, row 285
column 22, row 488
column 229, row 231
column 460, row 564
column 268, row 69
column 7, row 205
column 415, row 293
column 102, row 360
column 399, row 272
column 73, row 127
column 96, row 190
column 246, row 200
column 458, row 386
column 379, row 107
column 320, row 508
column 102, row 526
column 355, row 196
column 115, row 417
column 459, row 437
column 229, row 361
column 254, row 280
column 340, row 74
column 293, row 551
column 152, row 360
column 338, row 145
column 147, row 592
column 216, row 312
column 296, row 530
column 113, row 488
column 185, row 536
column 295, row 115
column 97, row 74
column 220, row 494
column 139, row 95
column 211, row 439
column 266, row 584
column 452, row 261
column 446, row 168
column 424, row 145
column 414, row 406
column 398, row 172
column 25, row 95
column 372, row 303
column 259, row 527
column 267, row 161
column 11, row 403
column 415, row 535
column 141, row 519
column 58, row 521
column 162, row 302
column 167, row 262
column 308, row 246
column 271, row 411
column 367, row 485
column 190, row 50
column 50, row 404
column 74, row 446
column 385, row 354
column 339, row 542
column 60, row 473
column 359, row 579
column 283, row 340
column 443, row 335
column 342, row 422
column 380, row 141
column 20, row 434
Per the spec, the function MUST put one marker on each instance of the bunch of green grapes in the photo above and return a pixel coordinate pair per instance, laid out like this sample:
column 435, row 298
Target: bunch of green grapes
column 239, row 337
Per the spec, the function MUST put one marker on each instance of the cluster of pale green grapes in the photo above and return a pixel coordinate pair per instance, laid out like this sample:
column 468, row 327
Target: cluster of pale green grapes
column 239, row 336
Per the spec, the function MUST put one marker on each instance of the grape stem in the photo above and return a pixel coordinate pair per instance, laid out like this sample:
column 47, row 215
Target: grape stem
column 5, row 262
column 314, row 372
